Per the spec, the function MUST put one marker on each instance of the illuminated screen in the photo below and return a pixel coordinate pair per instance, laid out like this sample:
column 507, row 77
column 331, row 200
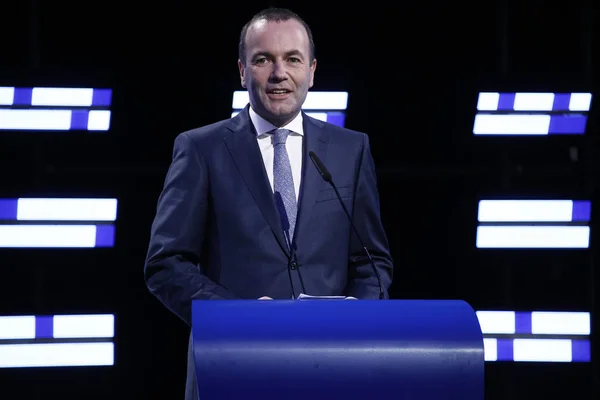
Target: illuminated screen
column 57, row 222
column 539, row 336
column 532, row 113
column 551, row 224
column 54, row 109
column 56, row 341
column 325, row 106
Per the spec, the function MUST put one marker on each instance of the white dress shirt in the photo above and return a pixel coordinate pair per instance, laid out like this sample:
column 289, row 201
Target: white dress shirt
column 293, row 145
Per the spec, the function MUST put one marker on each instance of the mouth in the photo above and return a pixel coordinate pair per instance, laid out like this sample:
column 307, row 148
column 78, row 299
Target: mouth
column 278, row 93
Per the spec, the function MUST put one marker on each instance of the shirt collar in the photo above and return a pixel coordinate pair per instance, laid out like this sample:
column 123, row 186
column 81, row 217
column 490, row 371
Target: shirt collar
column 263, row 126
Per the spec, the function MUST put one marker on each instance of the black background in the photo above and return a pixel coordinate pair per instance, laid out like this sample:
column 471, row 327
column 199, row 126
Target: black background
column 412, row 71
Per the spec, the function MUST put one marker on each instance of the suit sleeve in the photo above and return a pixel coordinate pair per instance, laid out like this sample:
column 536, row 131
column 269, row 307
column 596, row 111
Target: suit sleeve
column 172, row 270
column 367, row 219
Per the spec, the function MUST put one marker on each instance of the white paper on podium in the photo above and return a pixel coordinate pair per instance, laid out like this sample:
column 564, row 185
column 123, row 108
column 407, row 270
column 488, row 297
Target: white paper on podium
column 303, row 296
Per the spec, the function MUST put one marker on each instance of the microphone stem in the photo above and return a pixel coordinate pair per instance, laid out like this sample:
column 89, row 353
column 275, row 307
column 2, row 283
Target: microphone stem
column 359, row 239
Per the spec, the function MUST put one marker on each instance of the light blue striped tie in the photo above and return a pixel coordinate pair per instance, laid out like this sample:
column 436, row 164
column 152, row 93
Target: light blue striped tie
column 285, row 195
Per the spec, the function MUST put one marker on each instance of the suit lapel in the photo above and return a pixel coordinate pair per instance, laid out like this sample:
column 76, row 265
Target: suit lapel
column 316, row 140
column 243, row 146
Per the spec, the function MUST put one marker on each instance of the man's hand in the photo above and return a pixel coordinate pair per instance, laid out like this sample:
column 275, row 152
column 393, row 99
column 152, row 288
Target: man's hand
column 265, row 298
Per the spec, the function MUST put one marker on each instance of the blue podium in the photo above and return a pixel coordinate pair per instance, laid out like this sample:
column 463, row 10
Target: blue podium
column 337, row 349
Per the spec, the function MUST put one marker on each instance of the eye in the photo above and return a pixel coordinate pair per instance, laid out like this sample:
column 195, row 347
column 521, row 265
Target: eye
column 260, row 60
column 294, row 59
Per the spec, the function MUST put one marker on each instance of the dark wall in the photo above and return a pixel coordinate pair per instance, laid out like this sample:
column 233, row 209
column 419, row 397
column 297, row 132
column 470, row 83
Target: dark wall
column 413, row 73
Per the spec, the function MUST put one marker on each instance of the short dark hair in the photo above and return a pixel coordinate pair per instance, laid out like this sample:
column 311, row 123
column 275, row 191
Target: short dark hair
column 277, row 15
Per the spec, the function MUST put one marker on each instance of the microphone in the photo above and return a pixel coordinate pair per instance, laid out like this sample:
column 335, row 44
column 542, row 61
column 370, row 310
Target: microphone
column 326, row 175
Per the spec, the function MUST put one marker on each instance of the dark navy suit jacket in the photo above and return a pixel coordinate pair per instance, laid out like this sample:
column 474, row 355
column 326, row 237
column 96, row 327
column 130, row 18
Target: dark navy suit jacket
column 217, row 232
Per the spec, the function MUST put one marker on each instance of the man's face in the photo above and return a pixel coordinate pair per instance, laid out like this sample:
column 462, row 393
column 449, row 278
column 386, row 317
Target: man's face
column 278, row 70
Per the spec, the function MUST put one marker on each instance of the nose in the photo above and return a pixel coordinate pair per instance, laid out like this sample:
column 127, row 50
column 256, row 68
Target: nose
column 279, row 73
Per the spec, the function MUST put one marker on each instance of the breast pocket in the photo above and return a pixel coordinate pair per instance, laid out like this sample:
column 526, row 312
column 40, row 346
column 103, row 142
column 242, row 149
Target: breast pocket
column 329, row 194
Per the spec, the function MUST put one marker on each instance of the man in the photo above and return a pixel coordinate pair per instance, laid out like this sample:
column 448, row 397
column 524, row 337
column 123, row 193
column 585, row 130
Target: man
column 244, row 214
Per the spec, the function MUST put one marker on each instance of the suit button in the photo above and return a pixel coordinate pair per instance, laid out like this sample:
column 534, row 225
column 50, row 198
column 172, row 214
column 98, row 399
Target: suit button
column 294, row 265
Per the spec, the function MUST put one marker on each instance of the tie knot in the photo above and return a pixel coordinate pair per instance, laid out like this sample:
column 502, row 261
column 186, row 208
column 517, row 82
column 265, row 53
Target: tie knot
column 280, row 136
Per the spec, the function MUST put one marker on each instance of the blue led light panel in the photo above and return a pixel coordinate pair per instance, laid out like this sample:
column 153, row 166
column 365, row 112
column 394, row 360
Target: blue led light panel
column 532, row 113
column 55, row 109
column 57, row 340
column 57, row 222
column 538, row 336
column 550, row 224
column 324, row 106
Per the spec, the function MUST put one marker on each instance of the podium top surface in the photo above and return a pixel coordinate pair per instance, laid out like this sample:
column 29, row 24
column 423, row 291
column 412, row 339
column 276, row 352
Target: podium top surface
column 306, row 319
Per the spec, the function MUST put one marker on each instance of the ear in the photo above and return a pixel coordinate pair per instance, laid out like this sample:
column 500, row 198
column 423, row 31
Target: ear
column 313, row 67
column 242, row 70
